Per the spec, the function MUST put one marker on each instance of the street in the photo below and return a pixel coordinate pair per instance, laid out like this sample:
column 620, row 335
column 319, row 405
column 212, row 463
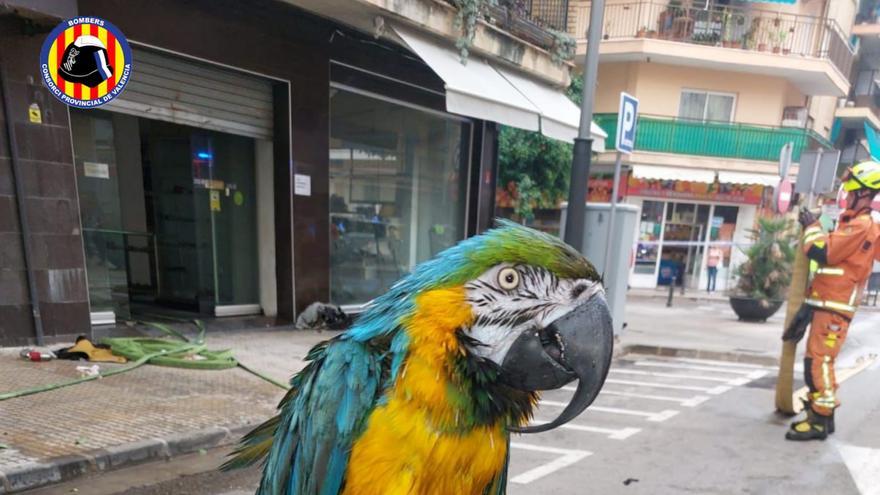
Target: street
column 660, row 425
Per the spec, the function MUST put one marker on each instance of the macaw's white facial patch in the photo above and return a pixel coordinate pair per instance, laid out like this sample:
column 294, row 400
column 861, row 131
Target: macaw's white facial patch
column 509, row 299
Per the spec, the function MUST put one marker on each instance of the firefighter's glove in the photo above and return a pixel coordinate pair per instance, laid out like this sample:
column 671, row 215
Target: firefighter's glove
column 798, row 326
column 807, row 218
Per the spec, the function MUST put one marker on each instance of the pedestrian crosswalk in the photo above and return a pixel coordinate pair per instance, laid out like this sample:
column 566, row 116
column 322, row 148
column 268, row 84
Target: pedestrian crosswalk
column 641, row 392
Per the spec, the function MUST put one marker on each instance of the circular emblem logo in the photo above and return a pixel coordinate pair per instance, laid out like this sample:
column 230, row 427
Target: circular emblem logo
column 85, row 62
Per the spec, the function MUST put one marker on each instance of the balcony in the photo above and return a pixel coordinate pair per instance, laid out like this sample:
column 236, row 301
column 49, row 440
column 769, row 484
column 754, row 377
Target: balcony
column 714, row 139
column 530, row 20
column 812, row 52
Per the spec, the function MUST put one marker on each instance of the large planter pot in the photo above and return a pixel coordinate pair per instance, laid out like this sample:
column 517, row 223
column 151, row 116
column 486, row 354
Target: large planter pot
column 749, row 309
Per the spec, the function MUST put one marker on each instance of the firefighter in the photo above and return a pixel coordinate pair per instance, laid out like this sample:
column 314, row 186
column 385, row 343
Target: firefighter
column 842, row 262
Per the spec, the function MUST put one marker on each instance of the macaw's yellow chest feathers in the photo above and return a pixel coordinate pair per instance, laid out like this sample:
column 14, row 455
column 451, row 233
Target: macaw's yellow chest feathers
column 428, row 437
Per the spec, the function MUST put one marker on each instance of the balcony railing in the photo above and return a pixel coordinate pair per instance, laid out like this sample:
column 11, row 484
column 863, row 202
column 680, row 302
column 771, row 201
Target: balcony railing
column 529, row 20
column 729, row 27
column 721, row 139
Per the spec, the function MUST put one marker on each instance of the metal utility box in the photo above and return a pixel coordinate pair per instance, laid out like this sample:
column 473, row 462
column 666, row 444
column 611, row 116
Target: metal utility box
column 622, row 237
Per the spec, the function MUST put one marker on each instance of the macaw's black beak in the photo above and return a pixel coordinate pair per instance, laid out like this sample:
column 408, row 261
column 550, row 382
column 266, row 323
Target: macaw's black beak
column 577, row 345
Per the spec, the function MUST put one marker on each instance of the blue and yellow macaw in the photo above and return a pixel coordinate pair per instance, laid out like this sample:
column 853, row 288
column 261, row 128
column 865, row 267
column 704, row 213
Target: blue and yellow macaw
column 421, row 394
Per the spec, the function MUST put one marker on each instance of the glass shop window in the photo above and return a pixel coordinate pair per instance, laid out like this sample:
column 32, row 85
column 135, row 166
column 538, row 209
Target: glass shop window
column 648, row 245
column 397, row 191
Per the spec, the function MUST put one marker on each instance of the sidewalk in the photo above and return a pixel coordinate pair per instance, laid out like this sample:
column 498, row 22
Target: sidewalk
column 147, row 414
column 155, row 413
column 704, row 327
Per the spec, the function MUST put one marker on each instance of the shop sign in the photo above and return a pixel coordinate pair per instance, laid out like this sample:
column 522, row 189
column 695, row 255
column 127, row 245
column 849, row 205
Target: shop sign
column 96, row 170
column 302, row 185
column 746, row 194
column 215, row 200
column 35, row 116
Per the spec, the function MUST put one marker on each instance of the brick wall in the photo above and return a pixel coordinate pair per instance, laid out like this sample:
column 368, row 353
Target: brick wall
column 49, row 179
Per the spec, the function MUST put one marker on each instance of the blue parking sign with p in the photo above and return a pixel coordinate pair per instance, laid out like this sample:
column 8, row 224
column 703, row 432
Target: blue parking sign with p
column 627, row 117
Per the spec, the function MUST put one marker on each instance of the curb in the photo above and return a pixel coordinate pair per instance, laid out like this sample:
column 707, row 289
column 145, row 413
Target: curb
column 66, row 468
column 734, row 357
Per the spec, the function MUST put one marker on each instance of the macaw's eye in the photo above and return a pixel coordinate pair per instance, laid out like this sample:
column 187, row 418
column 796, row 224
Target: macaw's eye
column 508, row 278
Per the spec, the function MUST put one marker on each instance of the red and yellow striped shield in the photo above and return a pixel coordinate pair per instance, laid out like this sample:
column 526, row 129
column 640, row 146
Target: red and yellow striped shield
column 86, row 62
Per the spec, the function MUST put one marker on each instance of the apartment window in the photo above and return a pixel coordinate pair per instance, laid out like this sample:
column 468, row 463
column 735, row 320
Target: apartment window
column 706, row 106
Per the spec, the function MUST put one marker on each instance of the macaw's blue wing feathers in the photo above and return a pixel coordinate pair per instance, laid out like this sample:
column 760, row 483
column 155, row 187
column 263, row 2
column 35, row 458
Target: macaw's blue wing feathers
column 307, row 445
column 498, row 486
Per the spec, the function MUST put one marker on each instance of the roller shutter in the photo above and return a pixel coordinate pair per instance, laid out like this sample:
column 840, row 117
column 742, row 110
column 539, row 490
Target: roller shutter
column 174, row 89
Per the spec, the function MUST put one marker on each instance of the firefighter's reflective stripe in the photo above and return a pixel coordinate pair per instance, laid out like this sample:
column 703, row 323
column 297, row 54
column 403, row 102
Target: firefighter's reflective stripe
column 831, row 305
column 830, row 271
column 826, row 399
column 813, row 233
column 854, row 296
column 810, row 238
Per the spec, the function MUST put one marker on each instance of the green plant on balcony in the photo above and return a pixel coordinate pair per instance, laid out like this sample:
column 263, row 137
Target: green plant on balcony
column 731, row 23
column 754, row 36
column 564, row 47
column 782, row 36
column 469, row 12
column 706, row 38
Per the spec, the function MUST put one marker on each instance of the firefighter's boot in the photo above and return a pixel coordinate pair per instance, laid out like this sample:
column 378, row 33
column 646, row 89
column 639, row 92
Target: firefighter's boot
column 814, row 427
column 809, row 410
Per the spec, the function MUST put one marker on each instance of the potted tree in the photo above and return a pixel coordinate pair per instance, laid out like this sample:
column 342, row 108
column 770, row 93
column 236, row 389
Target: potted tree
column 766, row 275
column 783, row 35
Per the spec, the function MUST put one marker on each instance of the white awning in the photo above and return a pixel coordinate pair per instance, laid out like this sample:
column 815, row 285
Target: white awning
column 478, row 90
column 673, row 173
column 748, row 178
column 560, row 117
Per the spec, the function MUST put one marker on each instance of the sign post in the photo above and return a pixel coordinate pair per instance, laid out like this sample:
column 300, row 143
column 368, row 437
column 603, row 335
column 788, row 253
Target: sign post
column 627, row 117
column 782, row 195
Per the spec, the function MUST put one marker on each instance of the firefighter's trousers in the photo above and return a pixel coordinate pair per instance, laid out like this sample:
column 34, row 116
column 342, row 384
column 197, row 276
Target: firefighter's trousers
column 827, row 334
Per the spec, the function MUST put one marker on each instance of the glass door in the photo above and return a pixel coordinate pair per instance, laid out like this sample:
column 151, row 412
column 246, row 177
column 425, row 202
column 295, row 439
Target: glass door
column 104, row 235
column 202, row 194
column 647, row 253
column 228, row 200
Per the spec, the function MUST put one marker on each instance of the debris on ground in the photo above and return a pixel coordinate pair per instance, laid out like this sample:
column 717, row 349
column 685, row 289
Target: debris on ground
column 36, row 355
column 85, row 350
column 93, row 370
column 322, row 316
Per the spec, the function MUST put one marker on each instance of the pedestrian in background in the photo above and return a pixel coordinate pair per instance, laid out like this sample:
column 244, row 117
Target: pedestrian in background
column 714, row 258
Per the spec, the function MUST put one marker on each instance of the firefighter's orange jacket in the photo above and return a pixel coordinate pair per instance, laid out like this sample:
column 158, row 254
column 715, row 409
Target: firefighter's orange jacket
column 845, row 257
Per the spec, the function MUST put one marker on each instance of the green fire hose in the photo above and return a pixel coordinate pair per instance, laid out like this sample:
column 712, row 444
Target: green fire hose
column 179, row 353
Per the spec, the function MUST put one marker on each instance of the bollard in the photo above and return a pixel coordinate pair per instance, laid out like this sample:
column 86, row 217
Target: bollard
column 671, row 292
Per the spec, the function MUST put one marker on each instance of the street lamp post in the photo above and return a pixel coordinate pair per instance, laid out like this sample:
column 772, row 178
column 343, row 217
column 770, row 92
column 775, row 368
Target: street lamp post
column 583, row 144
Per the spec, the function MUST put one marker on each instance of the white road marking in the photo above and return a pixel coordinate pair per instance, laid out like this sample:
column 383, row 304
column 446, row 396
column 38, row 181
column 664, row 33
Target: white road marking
column 686, row 402
column 864, row 466
column 568, row 457
column 676, row 375
column 716, row 362
column 712, row 391
column 613, row 434
column 656, row 417
column 691, row 367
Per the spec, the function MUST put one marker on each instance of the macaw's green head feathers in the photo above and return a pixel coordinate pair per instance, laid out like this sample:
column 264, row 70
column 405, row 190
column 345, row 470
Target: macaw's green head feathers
column 509, row 243
column 534, row 312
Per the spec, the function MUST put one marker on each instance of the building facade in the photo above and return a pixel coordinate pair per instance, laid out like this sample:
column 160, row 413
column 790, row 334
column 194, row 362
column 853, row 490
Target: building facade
column 723, row 85
column 265, row 155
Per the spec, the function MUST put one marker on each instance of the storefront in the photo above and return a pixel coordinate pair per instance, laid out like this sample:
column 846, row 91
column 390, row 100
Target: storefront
column 685, row 222
column 261, row 159
column 169, row 197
